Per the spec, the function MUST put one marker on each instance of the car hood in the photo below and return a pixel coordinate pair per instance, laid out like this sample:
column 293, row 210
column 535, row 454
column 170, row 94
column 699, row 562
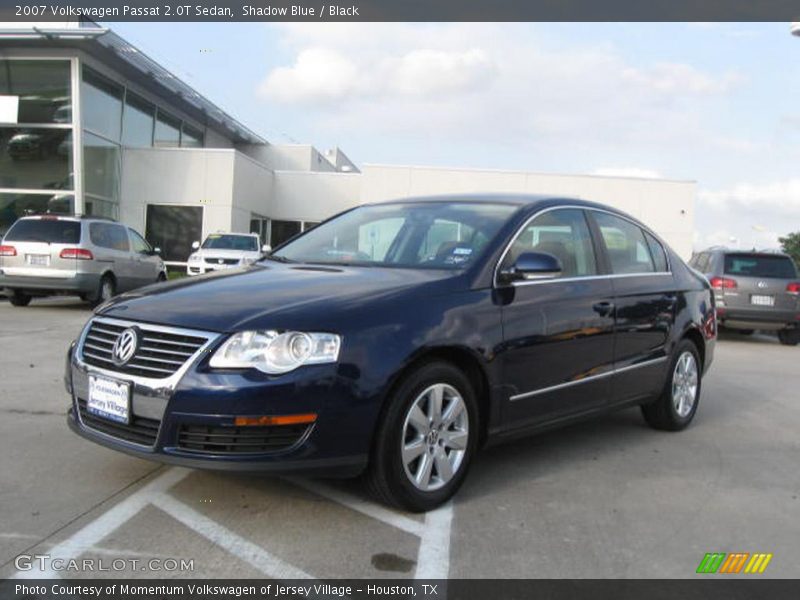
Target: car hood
column 270, row 294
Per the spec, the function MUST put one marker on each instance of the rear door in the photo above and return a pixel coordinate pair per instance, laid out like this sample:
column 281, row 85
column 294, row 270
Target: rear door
column 757, row 282
column 37, row 246
column 645, row 300
column 558, row 333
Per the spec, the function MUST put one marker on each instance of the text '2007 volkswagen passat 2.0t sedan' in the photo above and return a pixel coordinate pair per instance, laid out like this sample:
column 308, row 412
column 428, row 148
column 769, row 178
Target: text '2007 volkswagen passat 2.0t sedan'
column 396, row 339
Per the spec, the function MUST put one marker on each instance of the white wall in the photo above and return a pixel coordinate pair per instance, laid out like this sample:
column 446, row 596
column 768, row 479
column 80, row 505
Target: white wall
column 665, row 206
column 252, row 191
column 299, row 196
column 198, row 177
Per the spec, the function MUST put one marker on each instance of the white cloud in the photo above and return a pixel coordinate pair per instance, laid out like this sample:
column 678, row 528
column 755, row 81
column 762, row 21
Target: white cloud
column 675, row 78
column 318, row 75
column 430, row 72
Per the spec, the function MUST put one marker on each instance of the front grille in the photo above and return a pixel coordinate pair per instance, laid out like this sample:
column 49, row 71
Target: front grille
column 239, row 440
column 222, row 261
column 140, row 430
column 160, row 354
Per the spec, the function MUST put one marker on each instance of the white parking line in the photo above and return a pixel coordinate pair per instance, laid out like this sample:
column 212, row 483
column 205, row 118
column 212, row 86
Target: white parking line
column 269, row 564
column 433, row 558
column 370, row 509
column 112, row 519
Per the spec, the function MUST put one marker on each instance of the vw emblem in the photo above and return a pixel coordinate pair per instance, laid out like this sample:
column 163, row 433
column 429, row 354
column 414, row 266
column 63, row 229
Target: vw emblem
column 762, row 284
column 125, row 347
column 220, row 261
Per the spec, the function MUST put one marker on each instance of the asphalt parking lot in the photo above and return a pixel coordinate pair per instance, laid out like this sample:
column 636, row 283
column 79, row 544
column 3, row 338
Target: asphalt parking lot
column 607, row 498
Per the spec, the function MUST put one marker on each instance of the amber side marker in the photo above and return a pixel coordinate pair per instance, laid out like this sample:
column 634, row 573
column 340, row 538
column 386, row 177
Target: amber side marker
column 275, row 420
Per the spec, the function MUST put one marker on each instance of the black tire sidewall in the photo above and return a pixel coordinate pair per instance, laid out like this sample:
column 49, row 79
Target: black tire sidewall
column 387, row 450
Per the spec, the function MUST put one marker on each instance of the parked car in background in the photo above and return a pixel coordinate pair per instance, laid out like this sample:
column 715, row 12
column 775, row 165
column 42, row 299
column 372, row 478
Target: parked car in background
column 395, row 339
column 90, row 257
column 225, row 251
column 753, row 290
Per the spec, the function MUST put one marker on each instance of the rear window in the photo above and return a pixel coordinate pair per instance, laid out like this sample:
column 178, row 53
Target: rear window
column 759, row 265
column 49, row 231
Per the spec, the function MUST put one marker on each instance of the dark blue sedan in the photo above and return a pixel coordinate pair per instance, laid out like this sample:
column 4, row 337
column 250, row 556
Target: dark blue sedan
column 396, row 339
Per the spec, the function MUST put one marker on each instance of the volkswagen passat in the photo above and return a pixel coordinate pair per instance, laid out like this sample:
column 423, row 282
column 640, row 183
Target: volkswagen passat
column 396, row 339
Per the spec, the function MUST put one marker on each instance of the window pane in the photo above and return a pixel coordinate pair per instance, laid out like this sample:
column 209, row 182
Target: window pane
column 137, row 122
column 563, row 234
column 168, row 133
column 14, row 206
column 173, row 229
column 101, row 104
column 97, row 207
column 626, row 245
column 283, row 230
column 191, row 138
column 101, row 167
column 139, row 244
column 43, row 87
column 657, row 252
column 111, row 236
column 760, row 265
column 55, row 231
column 36, row 158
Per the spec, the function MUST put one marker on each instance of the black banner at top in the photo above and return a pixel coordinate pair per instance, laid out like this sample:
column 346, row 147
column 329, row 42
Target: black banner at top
column 399, row 10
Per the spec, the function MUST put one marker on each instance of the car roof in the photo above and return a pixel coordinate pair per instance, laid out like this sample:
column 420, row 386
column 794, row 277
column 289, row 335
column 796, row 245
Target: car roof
column 742, row 251
column 513, row 199
column 77, row 218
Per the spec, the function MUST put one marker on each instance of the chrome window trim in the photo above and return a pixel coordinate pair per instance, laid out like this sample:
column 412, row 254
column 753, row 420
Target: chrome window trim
column 496, row 280
column 150, row 382
column 567, row 384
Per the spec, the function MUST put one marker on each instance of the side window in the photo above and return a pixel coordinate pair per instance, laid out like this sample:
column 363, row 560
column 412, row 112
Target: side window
column 626, row 245
column 563, row 233
column 139, row 244
column 109, row 236
column 657, row 252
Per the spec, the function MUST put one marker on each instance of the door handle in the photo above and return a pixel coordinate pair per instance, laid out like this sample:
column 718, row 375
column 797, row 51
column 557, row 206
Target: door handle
column 603, row 309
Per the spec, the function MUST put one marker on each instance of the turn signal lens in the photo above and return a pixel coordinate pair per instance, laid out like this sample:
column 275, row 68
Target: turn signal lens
column 275, row 420
column 79, row 253
column 723, row 283
column 8, row 251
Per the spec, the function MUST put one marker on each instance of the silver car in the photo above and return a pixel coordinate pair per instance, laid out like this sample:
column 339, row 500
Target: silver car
column 91, row 257
column 753, row 290
column 224, row 251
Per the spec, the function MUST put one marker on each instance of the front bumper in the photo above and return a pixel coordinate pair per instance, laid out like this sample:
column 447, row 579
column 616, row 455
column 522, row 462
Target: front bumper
column 81, row 283
column 202, row 267
column 185, row 419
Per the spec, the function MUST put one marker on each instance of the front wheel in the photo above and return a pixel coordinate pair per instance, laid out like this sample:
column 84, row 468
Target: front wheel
column 789, row 337
column 426, row 439
column 675, row 408
column 18, row 298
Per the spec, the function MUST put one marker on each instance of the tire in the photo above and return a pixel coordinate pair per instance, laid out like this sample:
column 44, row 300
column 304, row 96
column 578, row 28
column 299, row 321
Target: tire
column 17, row 298
column 406, row 423
column 746, row 331
column 789, row 337
column 161, row 278
column 106, row 290
column 675, row 408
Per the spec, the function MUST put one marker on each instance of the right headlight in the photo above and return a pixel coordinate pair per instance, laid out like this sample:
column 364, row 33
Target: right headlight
column 275, row 352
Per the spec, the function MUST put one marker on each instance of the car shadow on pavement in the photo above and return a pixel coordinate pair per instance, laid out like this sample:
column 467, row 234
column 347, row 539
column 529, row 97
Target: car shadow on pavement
column 758, row 337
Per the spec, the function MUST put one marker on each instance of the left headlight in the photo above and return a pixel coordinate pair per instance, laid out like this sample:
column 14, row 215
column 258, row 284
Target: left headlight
column 275, row 352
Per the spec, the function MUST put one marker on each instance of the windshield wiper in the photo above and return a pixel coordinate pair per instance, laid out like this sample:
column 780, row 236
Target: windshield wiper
column 280, row 259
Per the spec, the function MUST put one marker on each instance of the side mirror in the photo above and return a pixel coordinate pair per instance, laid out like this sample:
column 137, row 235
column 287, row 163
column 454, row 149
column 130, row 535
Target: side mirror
column 195, row 245
column 531, row 266
column 266, row 248
column 157, row 251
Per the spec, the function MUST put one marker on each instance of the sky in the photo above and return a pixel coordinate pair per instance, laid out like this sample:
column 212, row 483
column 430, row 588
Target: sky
column 713, row 103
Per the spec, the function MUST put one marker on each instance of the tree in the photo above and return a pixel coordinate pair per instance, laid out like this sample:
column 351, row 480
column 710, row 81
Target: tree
column 791, row 246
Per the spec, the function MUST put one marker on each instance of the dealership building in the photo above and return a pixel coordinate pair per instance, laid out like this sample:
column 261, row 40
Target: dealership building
column 89, row 124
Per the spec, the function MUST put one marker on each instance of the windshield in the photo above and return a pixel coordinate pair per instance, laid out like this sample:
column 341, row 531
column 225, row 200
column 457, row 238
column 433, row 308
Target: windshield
column 220, row 241
column 759, row 265
column 50, row 231
column 423, row 235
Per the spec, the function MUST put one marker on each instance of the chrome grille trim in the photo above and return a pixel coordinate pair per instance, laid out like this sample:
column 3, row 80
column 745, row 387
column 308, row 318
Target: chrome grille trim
column 152, row 365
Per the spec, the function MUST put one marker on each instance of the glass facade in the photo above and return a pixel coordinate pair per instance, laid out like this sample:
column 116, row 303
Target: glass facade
column 101, row 105
column 137, row 123
column 168, row 131
column 36, row 140
column 174, row 229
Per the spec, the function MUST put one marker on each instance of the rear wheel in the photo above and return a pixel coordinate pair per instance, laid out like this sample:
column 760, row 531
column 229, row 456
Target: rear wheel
column 426, row 439
column 161, row 278
column 18, row 298
column 789, row 337
column 105, row 291
column 675, row 408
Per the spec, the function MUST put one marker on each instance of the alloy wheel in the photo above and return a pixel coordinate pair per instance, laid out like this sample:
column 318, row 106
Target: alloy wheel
column 684, row 384
column 435, row 436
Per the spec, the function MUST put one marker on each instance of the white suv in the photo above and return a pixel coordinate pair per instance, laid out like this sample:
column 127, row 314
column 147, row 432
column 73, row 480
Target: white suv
column 224, row 251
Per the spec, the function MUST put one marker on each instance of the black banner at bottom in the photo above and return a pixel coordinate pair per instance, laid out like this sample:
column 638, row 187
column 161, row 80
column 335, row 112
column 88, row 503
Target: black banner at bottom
column 711, row 588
